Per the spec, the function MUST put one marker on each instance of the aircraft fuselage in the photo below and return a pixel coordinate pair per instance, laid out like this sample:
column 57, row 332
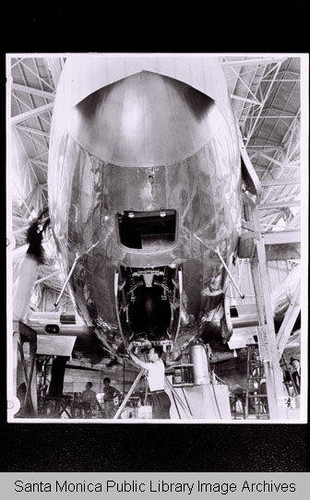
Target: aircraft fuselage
column 144, row 185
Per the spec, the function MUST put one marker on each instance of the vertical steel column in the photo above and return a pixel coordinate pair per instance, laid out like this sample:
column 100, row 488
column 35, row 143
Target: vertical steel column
column 266, row 332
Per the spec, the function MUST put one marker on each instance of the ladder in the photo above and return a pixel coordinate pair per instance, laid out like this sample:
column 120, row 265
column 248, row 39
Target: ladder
column 256, row 395
column 253, row 241
column 288, row 381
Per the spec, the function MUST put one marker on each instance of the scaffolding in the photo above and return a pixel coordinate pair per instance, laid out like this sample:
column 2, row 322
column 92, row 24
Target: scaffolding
column 268, row 366
column 256, row 395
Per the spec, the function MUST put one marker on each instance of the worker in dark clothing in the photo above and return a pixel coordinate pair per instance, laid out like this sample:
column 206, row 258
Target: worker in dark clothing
column 295, row 363
column 110, row 393
column 156, row 381
column 89, row 400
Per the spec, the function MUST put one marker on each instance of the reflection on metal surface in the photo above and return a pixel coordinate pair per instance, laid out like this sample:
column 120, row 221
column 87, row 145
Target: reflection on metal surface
column 153, row 145
column 144, row 120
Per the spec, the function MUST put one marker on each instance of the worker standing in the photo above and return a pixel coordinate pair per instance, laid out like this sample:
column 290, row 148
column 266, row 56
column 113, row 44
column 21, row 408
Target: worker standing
column 110, row 393
column 89, row 400
column 296, row 376
column 156, row 381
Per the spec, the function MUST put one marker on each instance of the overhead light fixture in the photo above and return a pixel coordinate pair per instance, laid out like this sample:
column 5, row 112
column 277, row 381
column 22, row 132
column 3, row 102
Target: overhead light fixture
column 131, row 215
column 162, row 213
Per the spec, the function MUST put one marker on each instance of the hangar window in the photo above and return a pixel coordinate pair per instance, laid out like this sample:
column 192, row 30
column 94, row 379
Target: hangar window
column 154, row 230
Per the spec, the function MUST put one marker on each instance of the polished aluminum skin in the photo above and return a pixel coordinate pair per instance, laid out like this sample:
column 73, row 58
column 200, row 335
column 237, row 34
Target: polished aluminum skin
column 144, row 143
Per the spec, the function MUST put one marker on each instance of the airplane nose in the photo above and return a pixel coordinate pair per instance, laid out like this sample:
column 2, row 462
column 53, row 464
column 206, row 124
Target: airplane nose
column 143, row 120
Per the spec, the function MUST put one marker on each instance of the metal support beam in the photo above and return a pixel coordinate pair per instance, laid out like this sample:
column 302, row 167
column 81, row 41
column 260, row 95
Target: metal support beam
column 281, row 237
column 41, row 280
column 279, row 245
column 278, row 204
column 245, row 99
column 22, row 117
column 33, row 131
column 43, row 164
column 131, row 390
column 276, row 117
column 266, row 332
column 271, row 159
column 67, row 280
column 280, row 182
column 288, row 323
column 35, row 73
column 255, row 118
column 246, row 62
column 281, row 80
column 249, row 168
column 283, row 252
column 33, row 91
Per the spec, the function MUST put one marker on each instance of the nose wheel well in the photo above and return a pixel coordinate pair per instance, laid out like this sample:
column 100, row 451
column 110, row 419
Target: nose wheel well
column 148, row 303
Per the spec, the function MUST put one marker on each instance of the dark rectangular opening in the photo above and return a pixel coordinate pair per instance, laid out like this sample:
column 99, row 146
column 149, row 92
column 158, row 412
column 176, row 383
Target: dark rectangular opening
column 154, row 230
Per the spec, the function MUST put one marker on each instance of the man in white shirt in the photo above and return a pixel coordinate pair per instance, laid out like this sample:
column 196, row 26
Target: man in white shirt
column 156, row 380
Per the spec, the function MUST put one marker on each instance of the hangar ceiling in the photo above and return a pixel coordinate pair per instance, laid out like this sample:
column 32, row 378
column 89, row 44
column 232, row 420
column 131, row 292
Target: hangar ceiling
column 266, row 100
